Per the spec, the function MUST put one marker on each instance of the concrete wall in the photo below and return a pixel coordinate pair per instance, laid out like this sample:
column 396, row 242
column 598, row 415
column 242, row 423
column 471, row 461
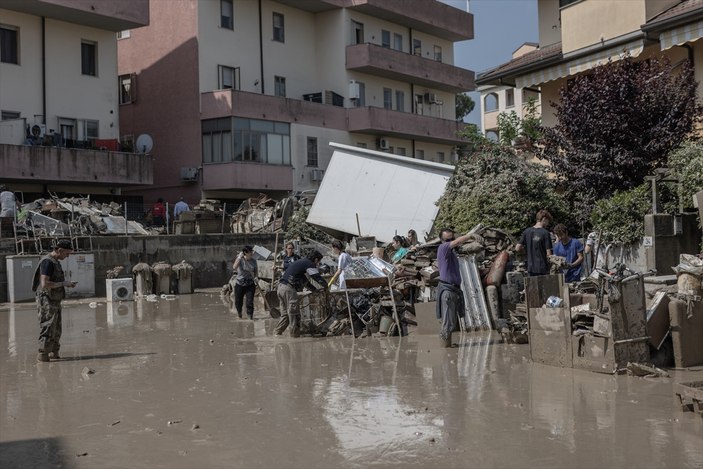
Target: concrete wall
column 549, row 25
column 210, row 255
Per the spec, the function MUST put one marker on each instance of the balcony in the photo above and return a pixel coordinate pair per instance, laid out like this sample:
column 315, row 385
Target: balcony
column 429, row 16
column 382, row 61
column 314, row 6
column 379, row 121
column 25, row 163
column 113, row 15
column 247, row 176
column 222, row 103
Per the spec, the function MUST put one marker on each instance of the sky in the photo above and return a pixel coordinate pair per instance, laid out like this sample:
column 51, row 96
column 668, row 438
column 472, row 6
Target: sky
column 500, row 27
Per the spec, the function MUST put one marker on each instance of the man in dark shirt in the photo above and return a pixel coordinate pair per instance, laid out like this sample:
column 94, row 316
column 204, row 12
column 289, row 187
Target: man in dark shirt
column 537, row 241
column 49, row 284
column 450, row 304
column 295, row 278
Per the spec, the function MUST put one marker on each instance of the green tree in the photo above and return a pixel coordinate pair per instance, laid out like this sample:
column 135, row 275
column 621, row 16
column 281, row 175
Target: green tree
column 686, row 164
column 464, row 106
column 509, row 125
column 496, row 187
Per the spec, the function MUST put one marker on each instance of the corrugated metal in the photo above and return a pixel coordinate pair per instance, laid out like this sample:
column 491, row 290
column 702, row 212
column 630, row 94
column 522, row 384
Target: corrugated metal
column 476, row 317
column 391, row 194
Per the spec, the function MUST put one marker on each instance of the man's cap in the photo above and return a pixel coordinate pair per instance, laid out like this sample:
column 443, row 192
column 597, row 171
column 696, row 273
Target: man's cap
column 64, row 244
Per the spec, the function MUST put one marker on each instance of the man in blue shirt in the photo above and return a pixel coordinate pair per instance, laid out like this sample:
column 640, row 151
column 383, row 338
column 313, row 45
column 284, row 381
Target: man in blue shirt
column 572, row 250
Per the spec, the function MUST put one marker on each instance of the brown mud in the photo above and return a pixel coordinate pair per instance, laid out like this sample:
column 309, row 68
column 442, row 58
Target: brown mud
column 184, row 383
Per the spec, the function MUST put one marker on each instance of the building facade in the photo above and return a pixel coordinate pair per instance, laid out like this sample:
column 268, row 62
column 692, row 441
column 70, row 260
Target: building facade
column 496, row 99
column 576, row 36
column 58, row 86
column 243, row 96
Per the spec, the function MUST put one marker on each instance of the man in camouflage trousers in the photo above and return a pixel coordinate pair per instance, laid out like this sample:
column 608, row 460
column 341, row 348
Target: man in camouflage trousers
column 50, row 287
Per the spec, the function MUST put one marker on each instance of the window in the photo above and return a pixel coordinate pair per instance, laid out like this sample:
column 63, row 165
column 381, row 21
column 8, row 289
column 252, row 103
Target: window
column 385, row 38
column 228, row 78
column 361, row 145
column 357, row 32
column 361, row 100
column 312, row 151
column 509, row 98
column 387, row 98
column 67, row 128
column 440, row 156
column 278, row 28
column 492, row 135
column 438, row 53
column 246, row 140
column 420, row 154
column 123, row 34
column 88, row 58
column 398, row 41
column 399, row 101
column 9, row 115
column 400, row 151
column 91, row 130
column 490, row 103
column 9, row 46
column 417, row 47
column 128, row 88
column 226, row 14
column 280, row 86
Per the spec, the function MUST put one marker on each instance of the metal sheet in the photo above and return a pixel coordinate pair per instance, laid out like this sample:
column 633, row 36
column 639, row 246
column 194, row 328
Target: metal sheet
column 390, row 193
column 115, row 225
column 477, row 316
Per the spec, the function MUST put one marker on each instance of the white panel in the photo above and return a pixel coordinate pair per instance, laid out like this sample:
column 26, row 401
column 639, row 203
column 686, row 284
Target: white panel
column 80, row 267
column 390, row 193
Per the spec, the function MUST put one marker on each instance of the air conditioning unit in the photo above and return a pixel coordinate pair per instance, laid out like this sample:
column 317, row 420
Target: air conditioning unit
column 189, row 174
column 431, row 98
column 119, row 289
column 316, row 174
column 37, row 130
column 353, row 90
column 383, row 144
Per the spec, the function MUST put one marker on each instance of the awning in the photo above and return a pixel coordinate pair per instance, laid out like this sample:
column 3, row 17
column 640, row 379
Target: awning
column 579, row 65
column 681, row 35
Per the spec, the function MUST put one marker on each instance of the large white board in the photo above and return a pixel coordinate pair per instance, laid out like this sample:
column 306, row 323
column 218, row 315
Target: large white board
column 390, row 193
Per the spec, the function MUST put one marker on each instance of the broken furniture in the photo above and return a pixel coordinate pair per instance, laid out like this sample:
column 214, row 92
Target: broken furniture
column 689, row 396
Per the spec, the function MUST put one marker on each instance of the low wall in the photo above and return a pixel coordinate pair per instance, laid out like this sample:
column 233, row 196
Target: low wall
column 211, row 255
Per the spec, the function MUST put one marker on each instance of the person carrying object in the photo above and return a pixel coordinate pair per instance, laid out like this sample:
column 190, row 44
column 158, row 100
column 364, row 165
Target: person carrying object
column 299, row 275
column 450, row 299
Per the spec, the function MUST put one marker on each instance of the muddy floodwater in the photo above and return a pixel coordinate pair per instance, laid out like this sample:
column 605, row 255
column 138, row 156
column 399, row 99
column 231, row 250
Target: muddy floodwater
column 184, row 383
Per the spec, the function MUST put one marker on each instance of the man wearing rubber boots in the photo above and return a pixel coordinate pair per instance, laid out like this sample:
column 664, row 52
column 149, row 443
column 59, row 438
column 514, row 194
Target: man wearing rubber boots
column 450, row 299
column 50, row 287
column 296, row 277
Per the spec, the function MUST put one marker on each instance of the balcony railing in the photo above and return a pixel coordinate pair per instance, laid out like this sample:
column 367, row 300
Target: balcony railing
column 397, row 65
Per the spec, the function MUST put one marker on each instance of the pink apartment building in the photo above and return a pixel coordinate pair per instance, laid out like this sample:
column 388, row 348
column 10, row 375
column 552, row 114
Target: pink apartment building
column 243, row 96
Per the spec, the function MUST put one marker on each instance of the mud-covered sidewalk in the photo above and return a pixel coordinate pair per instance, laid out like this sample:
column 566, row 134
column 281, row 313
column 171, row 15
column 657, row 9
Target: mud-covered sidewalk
column 185, row 383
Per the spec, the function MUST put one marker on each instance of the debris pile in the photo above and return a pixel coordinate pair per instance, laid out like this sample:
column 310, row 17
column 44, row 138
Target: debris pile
column 263, row 214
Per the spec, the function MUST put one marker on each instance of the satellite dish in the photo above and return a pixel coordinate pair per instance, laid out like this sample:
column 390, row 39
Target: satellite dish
column 144, row 143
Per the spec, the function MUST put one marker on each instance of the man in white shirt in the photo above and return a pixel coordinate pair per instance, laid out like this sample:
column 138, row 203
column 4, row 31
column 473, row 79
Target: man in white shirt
column 179, row 208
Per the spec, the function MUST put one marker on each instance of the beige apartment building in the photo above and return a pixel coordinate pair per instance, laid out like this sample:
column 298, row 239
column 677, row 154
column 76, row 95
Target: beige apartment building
column 244, row 96
column 58, row 85
column 577, row 35
column 496, row 99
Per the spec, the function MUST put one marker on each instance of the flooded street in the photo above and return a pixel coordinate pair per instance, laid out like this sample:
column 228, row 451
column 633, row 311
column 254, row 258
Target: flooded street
column 186, row 384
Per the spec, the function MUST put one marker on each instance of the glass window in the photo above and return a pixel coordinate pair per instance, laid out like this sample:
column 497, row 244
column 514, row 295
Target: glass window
column 207, row 148
column 281, row 128
column 417, row 47
column 280, row 86
column 9, row 115
column 385, row 38
column 252, row 140
column 226, row 14
column 399, row 101
column 490, row 103
column 91, row 130
column 398, row 41
column 400, row 151
column 9, row 46
column 275, row 149
column 492, row 135
column 312, row 152
column 420, row 154
column 509, row 98
column 357, row 32
column 440, row 156
column 261, row 126
column 88, row 58
column 387, row 98
column 278, row 28
column 438, row 53
column 228, row 78
column 128, row 91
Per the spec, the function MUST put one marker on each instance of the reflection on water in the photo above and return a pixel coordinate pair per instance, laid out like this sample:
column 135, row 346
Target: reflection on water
column 319, row 401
